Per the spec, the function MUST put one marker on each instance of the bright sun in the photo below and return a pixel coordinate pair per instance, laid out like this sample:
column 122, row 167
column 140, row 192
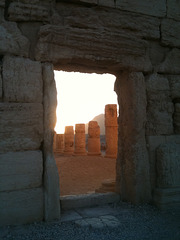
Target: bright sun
column 81, row 97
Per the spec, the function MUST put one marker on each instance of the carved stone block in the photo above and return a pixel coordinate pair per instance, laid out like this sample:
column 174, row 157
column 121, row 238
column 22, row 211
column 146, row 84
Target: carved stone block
column 168, row 165
column 170, row 65
column 159, row 106
column 22, row 80
column 174, row 83
column 20, row 170
column 21, row 207
column 12, row 41
column 19, row 11
column 21, row 126
column 170, row 32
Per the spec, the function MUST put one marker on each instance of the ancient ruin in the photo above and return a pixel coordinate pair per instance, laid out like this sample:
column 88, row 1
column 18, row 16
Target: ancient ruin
column 69, row 140
column 94, row 146
column 80, row 140
column 137, row 41
column 59, row 143
column 111, row 130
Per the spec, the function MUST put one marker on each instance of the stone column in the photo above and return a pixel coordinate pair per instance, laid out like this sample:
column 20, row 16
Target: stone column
column 80, row 140
column 94, row 146
column 59, row 143
column 132, row 164
column 69, row 140
column 111, row 130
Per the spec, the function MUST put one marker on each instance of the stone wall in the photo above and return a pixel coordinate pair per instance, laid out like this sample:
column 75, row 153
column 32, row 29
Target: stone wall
column 138, row 41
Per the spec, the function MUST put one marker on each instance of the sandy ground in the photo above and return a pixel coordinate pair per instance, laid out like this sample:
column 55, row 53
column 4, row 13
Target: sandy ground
column 83, row 174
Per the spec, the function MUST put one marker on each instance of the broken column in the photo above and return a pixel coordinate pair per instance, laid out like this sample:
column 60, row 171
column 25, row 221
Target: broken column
column 80, row 140
column 59, row 143
column 111, row 130
column 94, row 147
column 69, row 140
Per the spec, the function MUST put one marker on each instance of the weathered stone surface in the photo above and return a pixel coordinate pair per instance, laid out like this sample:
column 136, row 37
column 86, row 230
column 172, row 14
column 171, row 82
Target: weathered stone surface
column 30, row 31
column 1, row 89
column 167, row 199
column 177, row 118
column 2, row 5
column 160, row 107
column 80, row 139
column 69, row 140
column 133, row 179
column 18, row 11
column 60, row 143
column 109, row 20
column 168, row 165
column 170, row 32
column 21, row 126
column 157, row 54
column 20, row 170
column 51, row 176
column 12, row 41
column 154, row 7
column 93, row 48
column 107, row 3
column 94, row 146
column 174, row 83
column 171, row 63
column 20, row 207
column 111, row 128
column 173, row 9
column 22, row 80
column 153, row 142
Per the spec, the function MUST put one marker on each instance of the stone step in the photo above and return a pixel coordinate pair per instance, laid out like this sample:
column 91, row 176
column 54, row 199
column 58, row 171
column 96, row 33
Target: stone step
column 107, row 185
column 88, row 200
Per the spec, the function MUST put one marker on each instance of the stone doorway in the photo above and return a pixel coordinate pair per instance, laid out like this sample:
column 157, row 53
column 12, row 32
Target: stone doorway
column 83, row 173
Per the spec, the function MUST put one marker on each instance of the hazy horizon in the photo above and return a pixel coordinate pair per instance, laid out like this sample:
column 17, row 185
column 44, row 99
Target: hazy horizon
column 82, row 96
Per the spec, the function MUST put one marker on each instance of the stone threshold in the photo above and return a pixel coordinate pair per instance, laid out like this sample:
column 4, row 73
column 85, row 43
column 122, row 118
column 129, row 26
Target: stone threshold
column 88, row 200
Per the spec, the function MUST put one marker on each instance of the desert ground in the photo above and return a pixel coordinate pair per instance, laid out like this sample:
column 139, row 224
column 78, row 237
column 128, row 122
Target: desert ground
column 83, row 174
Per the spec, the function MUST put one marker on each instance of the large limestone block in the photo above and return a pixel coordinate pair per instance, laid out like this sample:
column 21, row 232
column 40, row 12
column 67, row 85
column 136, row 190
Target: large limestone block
column 22, row 80
column 12, row 41
column 20, row 170
column 132, row 168
column 177, row 118
column 21, row 207
column 160, row 107
column 153, row 142
column 92, row 48
column 109, row 20
column 21, row 126
column 174, row 82
column 107, row 3
column 173, row 9
column 1, row 89
column 51, row 176
column 168, row 165
column 170, row 65
column 2, row 5
column 170, row 32
column 19, row 11
column 154, row 7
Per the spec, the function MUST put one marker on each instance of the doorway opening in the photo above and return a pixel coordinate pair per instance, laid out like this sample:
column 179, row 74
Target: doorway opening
column 82, row 98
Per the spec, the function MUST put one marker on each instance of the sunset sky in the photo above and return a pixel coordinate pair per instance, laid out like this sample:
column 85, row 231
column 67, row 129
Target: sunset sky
column 82, row 96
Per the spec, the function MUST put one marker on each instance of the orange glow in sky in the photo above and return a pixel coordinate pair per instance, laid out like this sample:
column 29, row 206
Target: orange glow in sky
column 82, row 96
